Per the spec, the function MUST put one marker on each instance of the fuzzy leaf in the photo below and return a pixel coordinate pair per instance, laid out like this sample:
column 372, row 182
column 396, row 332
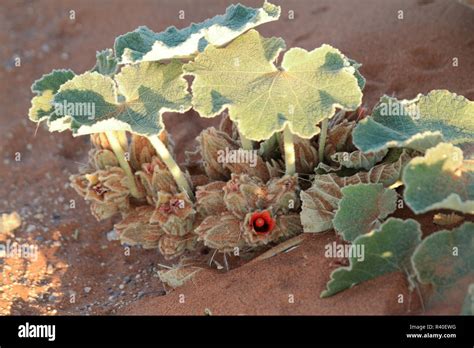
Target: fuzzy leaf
column 106, row 63
column 362, row 208
column 45, row 88
column 242, row 76
column 468, row 306
column 321, row 200
column 355, row 159
column 143, row 93
column 445, row 257
column 145, row 45
column 386, row 250
column 417, row 124
column 440, row 180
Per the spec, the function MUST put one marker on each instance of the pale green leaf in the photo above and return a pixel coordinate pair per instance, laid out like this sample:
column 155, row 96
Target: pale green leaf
column 145, row 45
column 42, row 104
column 106, row 63
column 385, row 250
column 262, row 99
column 445, row 257
column 362, row 208
column 440, row 180
column 468, row 306
column 321, row 200
column 418, row 124
column 355, row 159
column 134, row 102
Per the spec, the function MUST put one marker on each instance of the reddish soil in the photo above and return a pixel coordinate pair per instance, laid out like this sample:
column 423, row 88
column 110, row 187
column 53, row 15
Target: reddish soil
column 79, row 271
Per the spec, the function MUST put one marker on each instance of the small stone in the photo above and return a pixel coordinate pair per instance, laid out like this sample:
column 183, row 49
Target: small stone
column 112, row 235
column 87, row 289
column 121, row 286
column 30, row 228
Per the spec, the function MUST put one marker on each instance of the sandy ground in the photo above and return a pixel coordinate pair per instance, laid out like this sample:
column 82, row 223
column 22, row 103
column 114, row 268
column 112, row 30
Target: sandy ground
column 79, row 271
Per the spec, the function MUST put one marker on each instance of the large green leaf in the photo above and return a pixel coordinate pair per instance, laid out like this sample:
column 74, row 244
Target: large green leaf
column 146, row 45
column 263, row 99
column 42, row 104
column 135, row 101
column 445, row 257
column 362, row 209
column 418, row 124
column 385, row 250
column 321, row 200
column 468, row 306
column 440, row 180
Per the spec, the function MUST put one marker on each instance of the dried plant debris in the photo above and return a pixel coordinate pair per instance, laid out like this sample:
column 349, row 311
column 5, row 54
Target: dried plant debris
column 440, row 180
column 385, row 250
column 9, row 222
column 362, row 209
column 442, row 219
column 178, row 275
column 417, row 124
column 320, row 201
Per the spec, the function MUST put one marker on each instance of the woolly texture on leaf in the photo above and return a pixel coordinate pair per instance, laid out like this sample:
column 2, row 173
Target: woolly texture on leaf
column 445, row 257
column 145, row 45
column 263, row 99
column 386, row 250
column 135, row 102
column 417, row 124
column 321, row 200
column 440, row 180
column 468, row 306
column 362, row 208
column 45, row 88
column 106, row 63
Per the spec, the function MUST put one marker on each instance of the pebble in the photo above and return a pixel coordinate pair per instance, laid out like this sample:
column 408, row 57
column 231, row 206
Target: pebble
column 87, row 289
column 121, row 286
column 30, row 228
column 112, row 235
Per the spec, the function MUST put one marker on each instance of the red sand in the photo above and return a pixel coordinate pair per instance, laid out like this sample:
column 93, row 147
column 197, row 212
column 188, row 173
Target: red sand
column 400, row 57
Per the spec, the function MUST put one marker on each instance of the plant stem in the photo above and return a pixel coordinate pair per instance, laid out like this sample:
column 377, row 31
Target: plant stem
column 117, row 148
column 322, row 139
column 289, row 151
column 173, row 167
column 246, row 143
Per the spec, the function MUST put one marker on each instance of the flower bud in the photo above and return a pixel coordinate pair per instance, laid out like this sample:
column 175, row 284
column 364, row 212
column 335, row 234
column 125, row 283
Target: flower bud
column 221, row 232
column 210, row 199
column 173, row 246
column 135, row 228
column 243, row 194
column 282, row 194
column 174, row 213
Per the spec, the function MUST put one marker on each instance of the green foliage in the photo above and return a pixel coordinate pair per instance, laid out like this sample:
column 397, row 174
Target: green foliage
column 445, row 257
column 145, row 45
column 135, row 101
column 362, row 208
column 106, row 63
column 440, row 180
column 386, row 250
column 468, row 306
column 417, row 124
column 243, row 77
column 321, row 200
column 42, row 104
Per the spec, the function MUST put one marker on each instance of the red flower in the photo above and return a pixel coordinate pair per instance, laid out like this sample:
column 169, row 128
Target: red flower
column 262, row 222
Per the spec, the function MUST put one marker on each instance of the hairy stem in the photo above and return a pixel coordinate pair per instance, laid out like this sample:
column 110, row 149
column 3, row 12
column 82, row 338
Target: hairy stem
column 322, row 139
column 173, row 167
column 289, row 151
column 246, row 143
column 115, row 143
